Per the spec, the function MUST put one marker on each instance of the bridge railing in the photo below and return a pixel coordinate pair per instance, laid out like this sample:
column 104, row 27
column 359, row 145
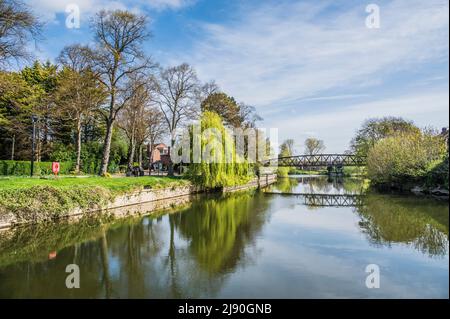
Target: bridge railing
column 327, row 200
column 317, row 160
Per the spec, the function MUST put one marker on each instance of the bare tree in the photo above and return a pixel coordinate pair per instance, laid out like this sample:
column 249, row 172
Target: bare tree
column 177, row 89
column 17, row 26
column 206, row 90
column 155, row 128
column 248, row 115
column 131, row 120
column 78, row 93
column 289, row 144
column 119, row 36
column 314, row 146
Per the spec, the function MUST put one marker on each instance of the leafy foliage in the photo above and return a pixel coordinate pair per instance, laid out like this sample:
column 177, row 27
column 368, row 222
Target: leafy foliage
column 314, row 146
column 218, row 172
column 23, row 168
column 405, row 157
column 375, row 129
column 286, row 149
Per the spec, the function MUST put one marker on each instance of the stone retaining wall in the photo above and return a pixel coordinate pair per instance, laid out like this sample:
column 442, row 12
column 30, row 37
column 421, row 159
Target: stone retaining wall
column 262, row 181
column 148, row 200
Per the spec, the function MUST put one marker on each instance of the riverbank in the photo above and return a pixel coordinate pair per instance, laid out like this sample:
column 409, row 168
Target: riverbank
column 214, row 239
column 433, row 187
column 348, row 171
column 32, row 200
column 25, row 200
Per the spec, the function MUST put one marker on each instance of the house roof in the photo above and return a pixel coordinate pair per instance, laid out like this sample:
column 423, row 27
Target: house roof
column 159, row 144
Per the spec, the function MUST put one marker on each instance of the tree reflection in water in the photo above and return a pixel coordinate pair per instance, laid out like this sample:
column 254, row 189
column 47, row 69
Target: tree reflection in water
column 192, row 251
column 318, row 185
column 408, row 220
column 219, row 229
column 385, row 219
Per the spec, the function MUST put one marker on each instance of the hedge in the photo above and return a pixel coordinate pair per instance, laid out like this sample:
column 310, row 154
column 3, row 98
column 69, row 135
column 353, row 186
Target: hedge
column 23, row 168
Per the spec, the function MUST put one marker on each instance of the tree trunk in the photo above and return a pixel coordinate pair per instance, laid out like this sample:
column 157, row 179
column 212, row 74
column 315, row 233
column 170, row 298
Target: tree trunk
column 131, row 153
column 77, row 166
column 150, row 156
column 105, row 264
column 38, row 144
column 106, row 147
column 13, row 144
column 140, row 156
column 172, row 144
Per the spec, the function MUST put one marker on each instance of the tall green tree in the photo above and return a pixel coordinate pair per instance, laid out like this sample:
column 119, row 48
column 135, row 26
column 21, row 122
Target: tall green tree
column 234, row 114
column 17, row 99
column 42, row 78
column 79, row 93
column 225, row 106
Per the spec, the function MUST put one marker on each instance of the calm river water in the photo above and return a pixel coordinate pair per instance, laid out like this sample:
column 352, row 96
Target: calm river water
column 316, row 244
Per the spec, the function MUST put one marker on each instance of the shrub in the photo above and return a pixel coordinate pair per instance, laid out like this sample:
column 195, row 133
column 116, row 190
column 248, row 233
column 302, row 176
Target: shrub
column 404, row 157
column 62, row 153
column 23, row 168
column 438, row 174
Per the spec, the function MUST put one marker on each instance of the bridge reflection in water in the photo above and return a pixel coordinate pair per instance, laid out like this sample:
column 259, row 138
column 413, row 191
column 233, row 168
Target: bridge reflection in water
column 326, row 200
column 219, row 246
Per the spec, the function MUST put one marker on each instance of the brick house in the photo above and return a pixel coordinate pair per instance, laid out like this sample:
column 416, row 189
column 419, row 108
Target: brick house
column 159, row 155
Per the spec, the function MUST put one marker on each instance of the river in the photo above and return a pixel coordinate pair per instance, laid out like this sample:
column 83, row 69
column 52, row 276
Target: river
column 312, row 240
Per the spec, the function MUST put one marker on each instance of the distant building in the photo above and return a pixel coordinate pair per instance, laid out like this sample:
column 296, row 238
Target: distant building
column 159, row 156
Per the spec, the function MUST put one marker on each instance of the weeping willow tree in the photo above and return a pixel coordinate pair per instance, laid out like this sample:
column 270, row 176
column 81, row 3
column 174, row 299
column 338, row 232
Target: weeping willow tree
column 220, row 165
column 219, row 229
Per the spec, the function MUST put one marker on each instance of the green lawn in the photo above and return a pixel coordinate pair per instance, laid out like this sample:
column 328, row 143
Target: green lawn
column 116, row 185
column 38, row 199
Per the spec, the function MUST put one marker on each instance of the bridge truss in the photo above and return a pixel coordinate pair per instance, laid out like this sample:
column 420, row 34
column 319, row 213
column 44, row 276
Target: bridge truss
column 319, row 160
column 327, row 200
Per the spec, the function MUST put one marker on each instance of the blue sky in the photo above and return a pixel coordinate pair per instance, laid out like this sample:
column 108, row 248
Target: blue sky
column 311, row 68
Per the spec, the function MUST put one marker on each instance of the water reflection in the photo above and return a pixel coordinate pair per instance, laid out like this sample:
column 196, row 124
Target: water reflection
column 139, row 257
column 385, row 219
column 419, row 222
column 318, row 185
column 240, row 245
column 221, row 228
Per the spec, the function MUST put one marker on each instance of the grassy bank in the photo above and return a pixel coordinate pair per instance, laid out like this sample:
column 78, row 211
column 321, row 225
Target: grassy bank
column 36, row 199
column 348, row 171
column 296, row 171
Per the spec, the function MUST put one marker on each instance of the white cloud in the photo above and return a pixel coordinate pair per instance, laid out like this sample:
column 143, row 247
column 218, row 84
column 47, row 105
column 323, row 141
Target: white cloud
column 279, row 54
column 47, row 9
column 297, row 50
column 337, row 127
column 169, row 4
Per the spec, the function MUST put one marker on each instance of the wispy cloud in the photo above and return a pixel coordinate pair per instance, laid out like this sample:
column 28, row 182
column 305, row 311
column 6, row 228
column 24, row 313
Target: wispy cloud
column 48, row 9
column 169, row 4
column 333, row 97
column 296, row 50
column 337, row 127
